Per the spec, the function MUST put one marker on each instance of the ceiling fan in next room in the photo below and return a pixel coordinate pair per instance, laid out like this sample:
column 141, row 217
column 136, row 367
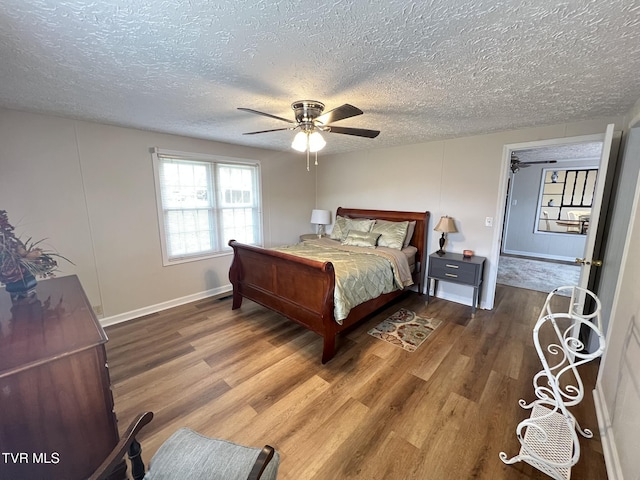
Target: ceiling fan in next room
column 517, row 164
column 311, row 121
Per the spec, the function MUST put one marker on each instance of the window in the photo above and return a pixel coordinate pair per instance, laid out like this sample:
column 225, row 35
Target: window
column 566, row 196
column 205, row 201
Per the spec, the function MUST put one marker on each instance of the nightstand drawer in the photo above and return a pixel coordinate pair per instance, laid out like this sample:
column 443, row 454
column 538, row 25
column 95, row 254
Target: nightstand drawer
column 454, row 271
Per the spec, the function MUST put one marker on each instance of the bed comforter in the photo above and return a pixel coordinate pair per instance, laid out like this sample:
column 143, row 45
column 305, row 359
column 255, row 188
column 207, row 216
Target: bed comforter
column 360, row 273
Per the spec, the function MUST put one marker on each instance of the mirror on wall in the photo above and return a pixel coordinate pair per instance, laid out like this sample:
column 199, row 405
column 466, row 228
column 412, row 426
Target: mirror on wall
column 566, row 196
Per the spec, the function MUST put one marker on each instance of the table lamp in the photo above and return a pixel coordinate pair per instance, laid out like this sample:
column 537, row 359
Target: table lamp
column 320, row 218
column 445, row 225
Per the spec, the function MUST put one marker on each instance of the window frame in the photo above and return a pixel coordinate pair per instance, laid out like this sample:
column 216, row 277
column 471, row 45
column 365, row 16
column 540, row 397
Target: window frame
column 541, row 193
column 157, row 155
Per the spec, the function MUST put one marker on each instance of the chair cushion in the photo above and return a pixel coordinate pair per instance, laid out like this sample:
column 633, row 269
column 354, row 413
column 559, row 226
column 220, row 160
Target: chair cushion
column 189, row 455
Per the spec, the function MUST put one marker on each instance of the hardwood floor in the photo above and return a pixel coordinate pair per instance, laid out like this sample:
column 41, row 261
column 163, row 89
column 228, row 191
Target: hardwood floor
column 374, row 412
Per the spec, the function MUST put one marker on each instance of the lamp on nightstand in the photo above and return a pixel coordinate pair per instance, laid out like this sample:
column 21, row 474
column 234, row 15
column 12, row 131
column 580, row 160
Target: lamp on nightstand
column 445, row 225
column 320, row 218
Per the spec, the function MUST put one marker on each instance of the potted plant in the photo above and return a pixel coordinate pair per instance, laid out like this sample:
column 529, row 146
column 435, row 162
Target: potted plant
column 22, row 262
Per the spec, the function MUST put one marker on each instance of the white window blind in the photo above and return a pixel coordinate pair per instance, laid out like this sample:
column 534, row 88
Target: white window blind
column 203, row 202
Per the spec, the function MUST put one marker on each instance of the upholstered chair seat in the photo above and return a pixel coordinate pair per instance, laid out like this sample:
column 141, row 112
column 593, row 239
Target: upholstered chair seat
column 188, row 455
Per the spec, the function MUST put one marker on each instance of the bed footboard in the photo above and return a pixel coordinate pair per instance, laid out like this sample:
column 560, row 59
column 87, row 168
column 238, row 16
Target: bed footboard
column 298, row 288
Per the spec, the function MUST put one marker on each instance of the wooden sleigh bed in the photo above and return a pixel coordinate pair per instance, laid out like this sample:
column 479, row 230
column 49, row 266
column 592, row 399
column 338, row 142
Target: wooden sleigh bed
column 303, row 290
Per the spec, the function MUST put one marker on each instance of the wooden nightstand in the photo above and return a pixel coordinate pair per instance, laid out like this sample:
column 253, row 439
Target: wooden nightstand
column 310, row 236
column 454, row 268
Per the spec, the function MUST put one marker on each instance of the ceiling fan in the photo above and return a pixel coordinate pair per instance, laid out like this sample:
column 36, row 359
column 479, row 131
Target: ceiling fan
column 517, row 164
column 310, row 120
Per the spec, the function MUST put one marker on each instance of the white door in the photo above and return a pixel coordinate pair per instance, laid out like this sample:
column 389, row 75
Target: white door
column 587, row 259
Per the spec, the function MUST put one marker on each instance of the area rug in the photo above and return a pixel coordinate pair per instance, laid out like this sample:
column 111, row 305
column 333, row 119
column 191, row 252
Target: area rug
column 405, row 329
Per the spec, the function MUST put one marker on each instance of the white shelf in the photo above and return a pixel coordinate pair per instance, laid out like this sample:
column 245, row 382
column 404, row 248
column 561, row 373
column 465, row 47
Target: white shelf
column 553, row 442
column 549, row 437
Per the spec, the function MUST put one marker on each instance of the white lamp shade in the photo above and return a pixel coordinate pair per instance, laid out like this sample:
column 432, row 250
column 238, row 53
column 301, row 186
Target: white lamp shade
column 300, row 142
column 316, row 142
column 313, row 141
column 320, row 217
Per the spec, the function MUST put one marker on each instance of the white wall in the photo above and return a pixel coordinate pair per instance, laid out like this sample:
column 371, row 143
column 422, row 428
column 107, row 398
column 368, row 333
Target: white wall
column 617, row 391
column 460, row 177
column 634, row 114
column 89, row 189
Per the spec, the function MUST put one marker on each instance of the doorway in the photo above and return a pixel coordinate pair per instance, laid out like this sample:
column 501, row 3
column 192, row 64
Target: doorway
column 547, row 210
column 501, row 214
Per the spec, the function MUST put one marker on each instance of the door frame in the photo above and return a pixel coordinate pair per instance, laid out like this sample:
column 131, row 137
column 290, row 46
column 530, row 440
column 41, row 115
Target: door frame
column 500, row 211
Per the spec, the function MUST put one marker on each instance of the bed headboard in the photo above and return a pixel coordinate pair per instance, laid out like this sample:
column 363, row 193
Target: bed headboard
column 419, row 239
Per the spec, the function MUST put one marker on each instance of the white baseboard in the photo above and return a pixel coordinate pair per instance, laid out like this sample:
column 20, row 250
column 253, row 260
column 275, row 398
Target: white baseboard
column 463, row 300
column 545, row 256
column 176, row 302
column 609, row 449
column 454, row 298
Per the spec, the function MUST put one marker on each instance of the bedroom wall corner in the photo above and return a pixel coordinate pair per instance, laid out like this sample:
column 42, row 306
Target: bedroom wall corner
column 42, row 190
column 89, row 189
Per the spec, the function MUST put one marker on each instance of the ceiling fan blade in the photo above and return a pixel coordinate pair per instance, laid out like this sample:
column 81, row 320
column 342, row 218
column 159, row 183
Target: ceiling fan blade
column 339, row 113
column 267, row 131
column 250, row 110
column 358, row 132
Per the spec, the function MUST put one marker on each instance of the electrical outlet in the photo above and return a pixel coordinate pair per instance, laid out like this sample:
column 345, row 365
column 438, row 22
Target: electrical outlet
column 97, row 309
column 488, row 222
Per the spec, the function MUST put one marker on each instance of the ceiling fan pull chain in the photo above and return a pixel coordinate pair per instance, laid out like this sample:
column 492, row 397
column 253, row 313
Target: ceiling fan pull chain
column 316, row 159
column 307, row 159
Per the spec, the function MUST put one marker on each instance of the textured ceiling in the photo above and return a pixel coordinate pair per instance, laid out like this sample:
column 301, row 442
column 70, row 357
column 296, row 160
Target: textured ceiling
column 588, row 151
column 420, row 70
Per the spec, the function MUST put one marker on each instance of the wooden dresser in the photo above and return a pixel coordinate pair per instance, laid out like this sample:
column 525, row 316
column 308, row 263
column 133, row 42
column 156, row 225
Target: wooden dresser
column 56, row 406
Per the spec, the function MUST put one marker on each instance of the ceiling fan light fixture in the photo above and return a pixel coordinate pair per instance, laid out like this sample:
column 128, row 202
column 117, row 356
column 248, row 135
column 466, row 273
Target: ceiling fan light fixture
column 311, row 119
column 304, row 141
column 300, row 142
column 316, row 142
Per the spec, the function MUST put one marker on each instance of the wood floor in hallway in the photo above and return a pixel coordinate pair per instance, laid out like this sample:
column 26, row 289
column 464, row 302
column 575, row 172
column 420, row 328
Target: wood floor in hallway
column 375, row 411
